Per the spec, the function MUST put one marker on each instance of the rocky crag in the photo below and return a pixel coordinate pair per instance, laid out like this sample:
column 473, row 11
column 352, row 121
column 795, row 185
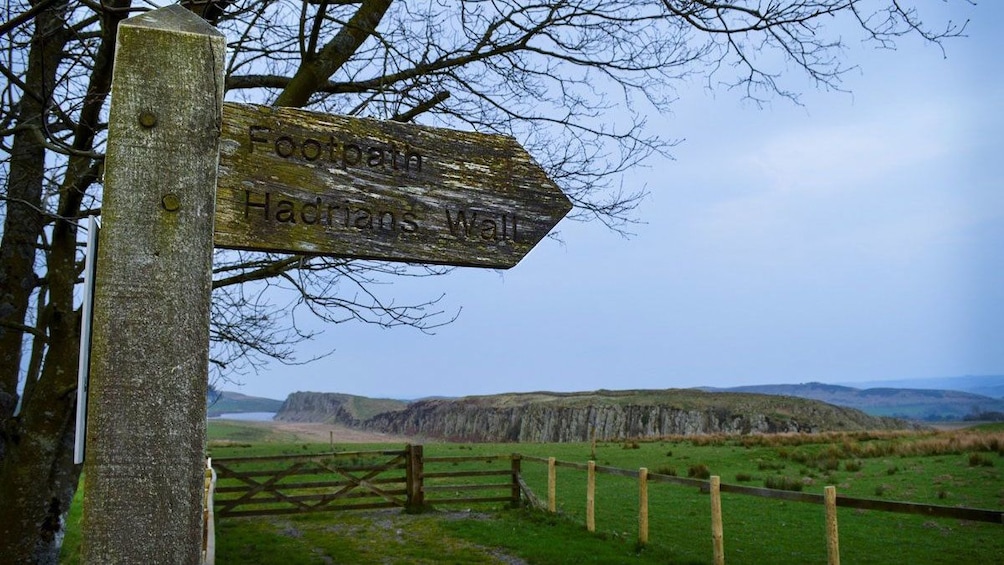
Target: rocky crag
column 334, row 408
column 605, row 415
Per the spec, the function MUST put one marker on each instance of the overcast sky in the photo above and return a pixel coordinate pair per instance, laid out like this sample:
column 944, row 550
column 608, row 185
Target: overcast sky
column 855, row 238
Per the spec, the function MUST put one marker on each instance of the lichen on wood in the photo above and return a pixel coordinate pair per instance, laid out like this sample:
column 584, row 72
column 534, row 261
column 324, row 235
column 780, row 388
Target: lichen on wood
column 303, row 182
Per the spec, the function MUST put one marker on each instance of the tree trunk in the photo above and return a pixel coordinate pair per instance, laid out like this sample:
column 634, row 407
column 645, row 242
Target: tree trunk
column 37, row 476
column 24, row 216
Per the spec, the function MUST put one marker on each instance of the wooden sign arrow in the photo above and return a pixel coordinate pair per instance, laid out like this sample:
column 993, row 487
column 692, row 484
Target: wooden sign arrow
column 302, row 182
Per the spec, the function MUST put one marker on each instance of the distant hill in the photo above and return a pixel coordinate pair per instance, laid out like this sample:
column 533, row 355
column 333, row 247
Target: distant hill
column 985, row 385
column 226, row 402
column 580, row 416
column 910, row 403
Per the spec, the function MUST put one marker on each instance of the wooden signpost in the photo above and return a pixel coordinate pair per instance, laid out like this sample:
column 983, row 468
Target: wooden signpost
column 275, row 180
column 303, row 182
column 146, row 417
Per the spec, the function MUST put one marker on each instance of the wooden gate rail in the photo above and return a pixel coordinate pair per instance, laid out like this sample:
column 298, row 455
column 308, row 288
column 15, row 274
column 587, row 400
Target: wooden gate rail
column 280, row 484
column 281, row 488
column 509, row 491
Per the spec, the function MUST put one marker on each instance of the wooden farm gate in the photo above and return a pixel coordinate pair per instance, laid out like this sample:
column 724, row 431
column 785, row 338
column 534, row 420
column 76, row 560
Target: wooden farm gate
column 358, row 480
column 294, row 484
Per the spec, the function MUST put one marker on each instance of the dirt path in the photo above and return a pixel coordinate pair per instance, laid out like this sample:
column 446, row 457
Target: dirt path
column 316, row 433
column 341, row 434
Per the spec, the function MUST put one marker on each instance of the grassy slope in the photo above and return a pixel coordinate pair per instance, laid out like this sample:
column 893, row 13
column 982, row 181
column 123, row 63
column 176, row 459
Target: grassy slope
column 364, row 408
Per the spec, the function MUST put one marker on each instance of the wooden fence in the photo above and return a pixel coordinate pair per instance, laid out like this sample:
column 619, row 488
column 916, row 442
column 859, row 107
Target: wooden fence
column 294, row 484
column 714, row 486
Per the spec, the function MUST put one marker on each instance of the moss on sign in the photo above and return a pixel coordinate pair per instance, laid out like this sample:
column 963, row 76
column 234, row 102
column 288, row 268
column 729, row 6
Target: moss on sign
column 303, row 182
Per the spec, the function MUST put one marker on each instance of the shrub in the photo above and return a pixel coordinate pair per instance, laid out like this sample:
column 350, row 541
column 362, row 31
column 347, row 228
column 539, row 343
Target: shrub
column 829, row 464
column 666, row 470
column 699, row 471
column 779, row 482
column 801, row 457
column 980, row 460
column 852, row 466
column 769, row 465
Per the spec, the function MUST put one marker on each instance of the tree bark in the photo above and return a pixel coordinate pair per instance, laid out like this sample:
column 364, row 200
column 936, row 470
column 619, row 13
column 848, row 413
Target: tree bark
column 37, row 478
column 24, row 219
column 315, row 70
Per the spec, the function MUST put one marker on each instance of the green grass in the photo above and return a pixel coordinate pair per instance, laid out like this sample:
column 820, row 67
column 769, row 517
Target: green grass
column 69, row 553
column 923, row 467
column 759, row 530
column 349, row 537
column 245, row 434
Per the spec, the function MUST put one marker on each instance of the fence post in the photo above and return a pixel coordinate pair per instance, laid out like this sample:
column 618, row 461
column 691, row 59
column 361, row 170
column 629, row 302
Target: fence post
column 832, row 539
column 552, row 504
column 209, row 525
column 717, row 536
column 591, row 496
column 146, row 422
column 643, row 506
column 516, row 460
column 414, row 473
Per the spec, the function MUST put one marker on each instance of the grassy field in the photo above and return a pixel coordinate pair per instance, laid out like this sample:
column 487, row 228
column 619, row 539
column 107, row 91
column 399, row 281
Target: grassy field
column 961, row 467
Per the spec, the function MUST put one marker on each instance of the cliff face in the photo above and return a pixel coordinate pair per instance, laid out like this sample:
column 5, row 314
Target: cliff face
column 542, row 417
column 326, row 407
column 334, row 408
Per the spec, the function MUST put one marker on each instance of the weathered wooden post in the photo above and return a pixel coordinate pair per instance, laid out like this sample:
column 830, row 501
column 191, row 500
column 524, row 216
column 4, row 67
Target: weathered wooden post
column 414, row 475
column 552, row 504
column 516, row 467
column 832, row 537
column 591, row 496
column 643, row 506
column 717, row 535
column 150, row 349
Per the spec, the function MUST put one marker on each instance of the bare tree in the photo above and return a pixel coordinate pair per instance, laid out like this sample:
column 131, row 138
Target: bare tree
column 545, row 72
